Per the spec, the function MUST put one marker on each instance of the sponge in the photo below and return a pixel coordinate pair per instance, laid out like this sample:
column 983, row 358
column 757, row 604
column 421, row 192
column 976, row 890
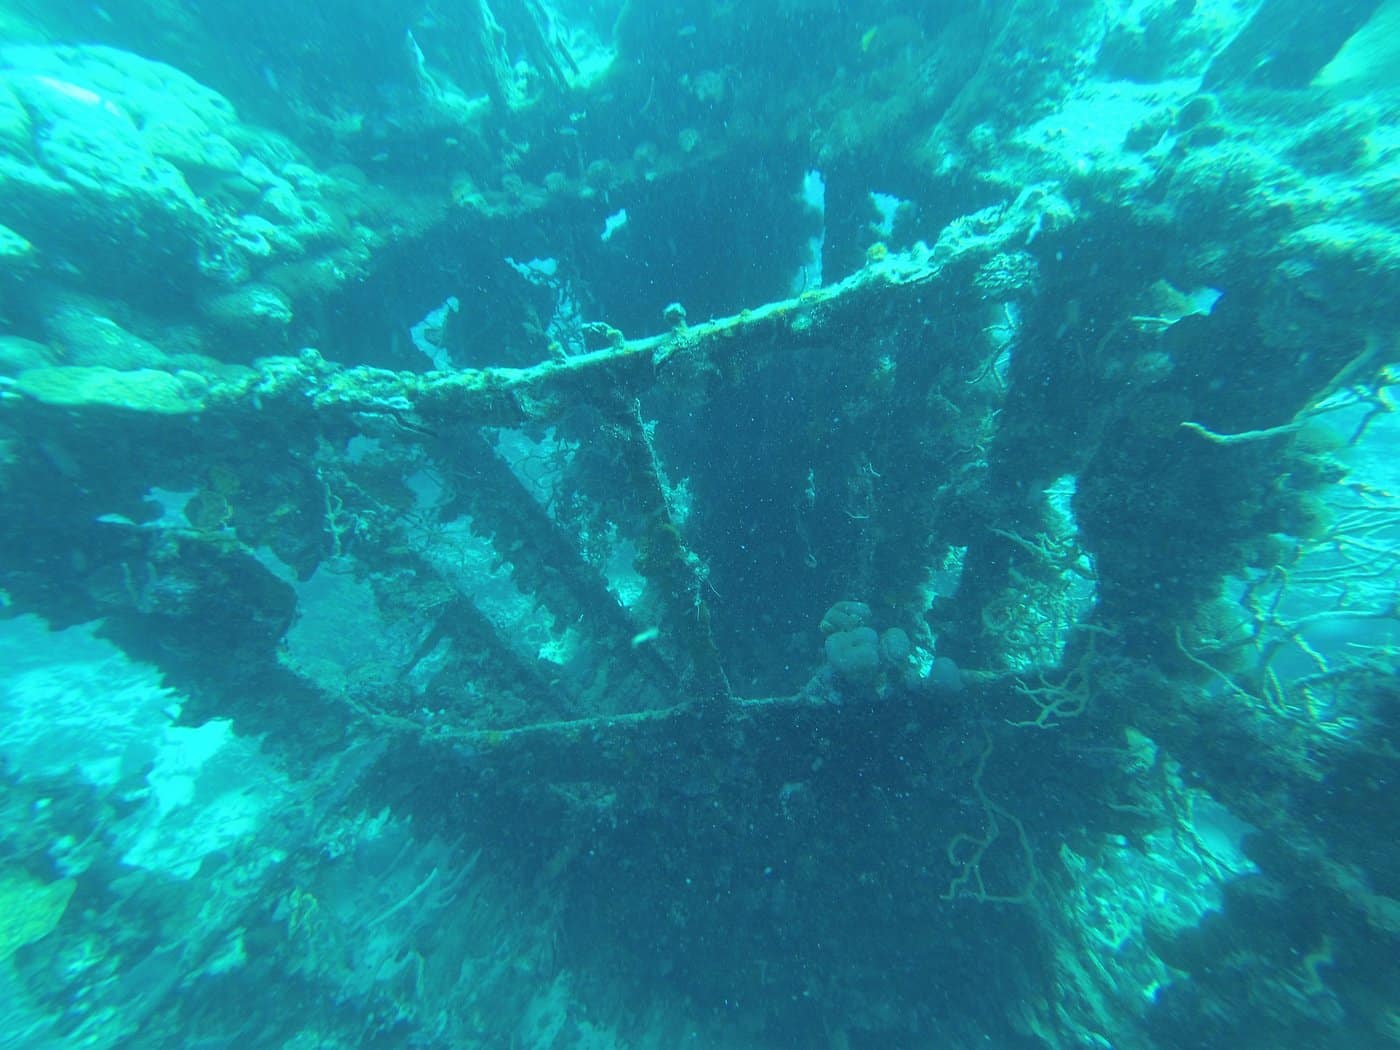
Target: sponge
column 855, row 654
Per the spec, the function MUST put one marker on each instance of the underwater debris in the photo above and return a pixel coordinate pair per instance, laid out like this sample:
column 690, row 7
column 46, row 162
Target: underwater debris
column 981, row 591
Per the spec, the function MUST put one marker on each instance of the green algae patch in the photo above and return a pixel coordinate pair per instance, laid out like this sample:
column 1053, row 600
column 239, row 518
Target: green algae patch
column 146, row 390
column 29, row 909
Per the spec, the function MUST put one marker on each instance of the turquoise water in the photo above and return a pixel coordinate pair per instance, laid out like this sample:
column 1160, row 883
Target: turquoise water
column 780, row 525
